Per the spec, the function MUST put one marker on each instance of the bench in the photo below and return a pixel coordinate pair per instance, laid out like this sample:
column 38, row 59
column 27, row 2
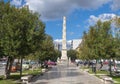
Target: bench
column 44, row 70
column 117, row 73
column 26, row 79
column 107, row 80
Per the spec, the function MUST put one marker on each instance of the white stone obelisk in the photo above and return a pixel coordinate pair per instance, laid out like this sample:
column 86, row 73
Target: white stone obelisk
column 64, row 47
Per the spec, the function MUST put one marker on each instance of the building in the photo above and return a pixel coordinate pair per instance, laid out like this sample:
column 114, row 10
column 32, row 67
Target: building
column 71, row 44
column 75, row 43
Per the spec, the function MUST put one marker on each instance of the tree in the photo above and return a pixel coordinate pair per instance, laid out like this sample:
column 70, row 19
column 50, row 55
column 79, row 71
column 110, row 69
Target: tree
column 72, row 54
column 19, row 32
column 95, row 40
column 100, row 43
column 116, row 32
column 8, row 42
column 31, row 33
column 47, row 49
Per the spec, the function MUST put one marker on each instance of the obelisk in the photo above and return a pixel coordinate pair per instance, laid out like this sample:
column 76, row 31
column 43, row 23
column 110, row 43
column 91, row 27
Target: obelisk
column 64, row 47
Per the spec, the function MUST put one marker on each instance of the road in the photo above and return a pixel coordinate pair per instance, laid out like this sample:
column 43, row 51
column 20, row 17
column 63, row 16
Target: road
column 66, row 74
column 2, row 70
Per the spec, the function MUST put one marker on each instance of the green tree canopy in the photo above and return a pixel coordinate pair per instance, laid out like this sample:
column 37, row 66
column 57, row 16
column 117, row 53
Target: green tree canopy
column 21, row 32
column 99, row 42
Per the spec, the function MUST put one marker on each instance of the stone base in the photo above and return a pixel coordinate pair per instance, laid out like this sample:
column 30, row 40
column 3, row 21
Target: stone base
column 63, row 62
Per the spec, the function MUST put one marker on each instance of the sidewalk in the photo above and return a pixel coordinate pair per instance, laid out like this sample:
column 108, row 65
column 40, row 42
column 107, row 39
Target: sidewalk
column 66, row 74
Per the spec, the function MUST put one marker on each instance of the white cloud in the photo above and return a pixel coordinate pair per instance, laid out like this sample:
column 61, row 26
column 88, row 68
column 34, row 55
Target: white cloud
column 115, row 5
column 16, row 2
column 103, row 17
column 58, row 40
column 53, row 9
column 71, row 33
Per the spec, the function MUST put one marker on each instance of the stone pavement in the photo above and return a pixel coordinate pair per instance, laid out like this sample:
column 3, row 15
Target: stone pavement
column 66, row 74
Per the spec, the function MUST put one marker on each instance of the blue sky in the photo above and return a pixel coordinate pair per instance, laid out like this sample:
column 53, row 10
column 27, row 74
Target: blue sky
column 80, row 14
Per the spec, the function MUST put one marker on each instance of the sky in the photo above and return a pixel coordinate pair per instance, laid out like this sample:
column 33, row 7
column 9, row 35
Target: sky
column 80, row 14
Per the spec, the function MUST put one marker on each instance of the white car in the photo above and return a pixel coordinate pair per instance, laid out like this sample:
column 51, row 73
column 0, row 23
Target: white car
column 25, row 66
column 116, row 68
column 3, row 63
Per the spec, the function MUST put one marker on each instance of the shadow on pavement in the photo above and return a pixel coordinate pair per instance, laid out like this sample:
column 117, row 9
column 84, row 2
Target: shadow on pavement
column 57, row 72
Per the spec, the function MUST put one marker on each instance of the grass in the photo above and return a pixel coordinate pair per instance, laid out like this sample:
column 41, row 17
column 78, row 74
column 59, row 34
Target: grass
column 16, row 76
column 116, row 78
column 97, row 71
column 84, row 67
column 33, row 72
column 100, row 72
column 6, row 82
column 10, row 80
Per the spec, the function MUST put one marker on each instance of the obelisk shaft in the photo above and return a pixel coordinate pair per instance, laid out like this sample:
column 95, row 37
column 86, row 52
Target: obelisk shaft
column 64, row 47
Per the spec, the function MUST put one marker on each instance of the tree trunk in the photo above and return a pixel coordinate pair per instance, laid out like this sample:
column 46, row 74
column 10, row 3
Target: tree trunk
column 89, row 64
column 21, row 66
column 101, row 64
column 95, row 66
column 8, row 67
column 114, row 64
column 110, row 64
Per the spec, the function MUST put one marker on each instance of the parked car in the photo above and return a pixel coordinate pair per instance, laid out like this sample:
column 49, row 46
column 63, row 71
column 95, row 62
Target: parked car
column 51, row 63
column 105, row 62
column 116, row 68
column 44, row 65
column 26, row 65
column 3, row 63
column 15, row 67
column 77, row 61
